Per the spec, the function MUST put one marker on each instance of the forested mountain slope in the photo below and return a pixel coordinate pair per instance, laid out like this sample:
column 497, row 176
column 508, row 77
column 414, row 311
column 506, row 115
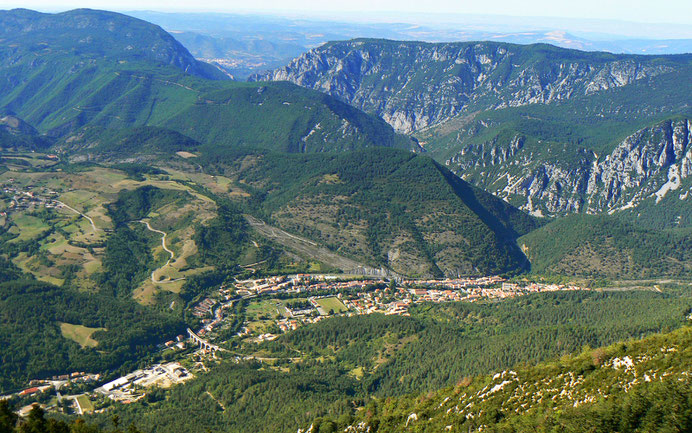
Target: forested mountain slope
column 32, row 313
column 109, row 70
column 92, row 34
column 605, row 247
column 385, row 207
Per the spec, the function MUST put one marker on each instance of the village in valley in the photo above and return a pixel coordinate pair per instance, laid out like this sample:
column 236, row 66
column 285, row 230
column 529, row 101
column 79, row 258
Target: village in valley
column 234, row 318
column 295, row 300
column 271, row 306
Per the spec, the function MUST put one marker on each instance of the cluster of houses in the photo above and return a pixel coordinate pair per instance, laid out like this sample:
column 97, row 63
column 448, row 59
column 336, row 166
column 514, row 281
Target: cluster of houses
column 289, row 324
column 360, row 296
column 455, row 283
column 26, row 199
column 262, row 285
column 40, row 385
column 368, row 296
column 300, row 283
column 511, row 290
column 204, row 308
column 178, row 343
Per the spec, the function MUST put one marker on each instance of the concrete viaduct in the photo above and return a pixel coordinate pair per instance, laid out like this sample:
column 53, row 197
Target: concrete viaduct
column 203, row 344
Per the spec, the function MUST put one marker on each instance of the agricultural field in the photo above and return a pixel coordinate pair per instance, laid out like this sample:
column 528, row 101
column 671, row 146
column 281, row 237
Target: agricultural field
column 27, row 227
column 79, row 221
column 26, row 160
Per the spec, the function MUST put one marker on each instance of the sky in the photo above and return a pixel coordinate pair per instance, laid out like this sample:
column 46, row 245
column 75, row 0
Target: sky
column 645, row 11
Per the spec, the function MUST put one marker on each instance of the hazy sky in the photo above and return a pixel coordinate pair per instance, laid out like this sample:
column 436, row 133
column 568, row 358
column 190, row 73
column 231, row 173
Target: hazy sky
column 650, row 11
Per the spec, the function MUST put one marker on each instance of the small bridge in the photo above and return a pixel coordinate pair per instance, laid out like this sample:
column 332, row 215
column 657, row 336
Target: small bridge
column 203, row 344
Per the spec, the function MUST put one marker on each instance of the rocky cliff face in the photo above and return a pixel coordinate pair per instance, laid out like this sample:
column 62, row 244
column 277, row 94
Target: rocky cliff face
column 413, row 85
column 651, row 164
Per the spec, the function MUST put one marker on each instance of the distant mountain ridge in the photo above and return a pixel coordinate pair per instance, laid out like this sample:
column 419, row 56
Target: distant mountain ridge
column 415, row 85
column 551, row 130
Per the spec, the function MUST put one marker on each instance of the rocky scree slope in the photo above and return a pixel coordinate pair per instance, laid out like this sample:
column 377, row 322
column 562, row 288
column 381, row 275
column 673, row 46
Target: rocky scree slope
column 414, row 85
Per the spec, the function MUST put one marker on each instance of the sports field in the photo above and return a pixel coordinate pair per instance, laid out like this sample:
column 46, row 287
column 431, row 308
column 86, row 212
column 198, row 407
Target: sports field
column 331, row 304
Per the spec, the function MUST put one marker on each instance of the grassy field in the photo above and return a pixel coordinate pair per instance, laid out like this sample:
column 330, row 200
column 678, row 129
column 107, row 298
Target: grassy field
column 80, row 334
column 269, row 308
column 331, row 304
column 32, row 265
column 261, row 315
column 29, row 227
column 84, row 403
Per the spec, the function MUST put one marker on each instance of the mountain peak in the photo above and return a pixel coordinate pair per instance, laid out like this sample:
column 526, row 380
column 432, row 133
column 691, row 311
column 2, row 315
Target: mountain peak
column 96, row 34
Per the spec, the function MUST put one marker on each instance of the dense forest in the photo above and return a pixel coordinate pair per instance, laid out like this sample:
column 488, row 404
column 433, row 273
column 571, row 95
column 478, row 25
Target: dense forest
column 604, row 246
column 222, row 240
column 30, row 316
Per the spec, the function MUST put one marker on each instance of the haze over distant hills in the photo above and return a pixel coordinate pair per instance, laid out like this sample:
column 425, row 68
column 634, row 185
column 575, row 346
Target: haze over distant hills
column 248, row 43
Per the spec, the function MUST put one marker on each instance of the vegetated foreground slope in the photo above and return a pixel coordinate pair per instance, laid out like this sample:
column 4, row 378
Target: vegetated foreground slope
column 633, row 386
column 605, row 247
column 334, row 368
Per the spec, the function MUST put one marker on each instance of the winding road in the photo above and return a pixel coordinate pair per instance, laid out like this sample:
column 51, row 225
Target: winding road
column 165, row 248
